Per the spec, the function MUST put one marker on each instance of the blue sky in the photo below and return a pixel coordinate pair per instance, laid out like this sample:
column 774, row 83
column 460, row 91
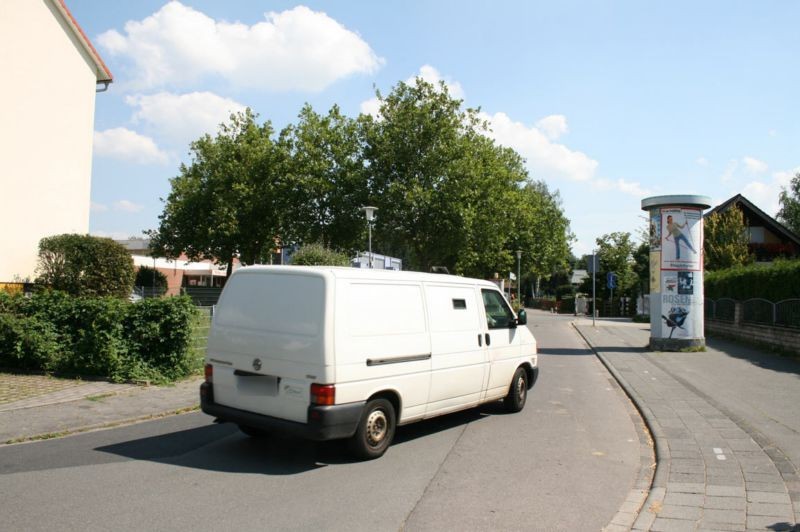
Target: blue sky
column 609, row 102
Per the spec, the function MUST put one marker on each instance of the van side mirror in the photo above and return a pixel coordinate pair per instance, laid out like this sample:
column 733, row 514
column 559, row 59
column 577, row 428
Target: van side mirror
column 522, row 317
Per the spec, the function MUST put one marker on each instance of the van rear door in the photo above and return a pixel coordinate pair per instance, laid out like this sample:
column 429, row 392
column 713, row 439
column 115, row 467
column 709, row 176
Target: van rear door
column 268, row 341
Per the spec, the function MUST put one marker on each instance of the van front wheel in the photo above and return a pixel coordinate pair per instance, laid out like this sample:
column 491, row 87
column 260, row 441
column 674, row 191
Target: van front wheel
column 375, row 430
column 518, row 392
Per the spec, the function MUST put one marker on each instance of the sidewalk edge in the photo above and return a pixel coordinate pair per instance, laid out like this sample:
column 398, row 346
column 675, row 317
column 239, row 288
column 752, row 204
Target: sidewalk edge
column 100, row 426
column 656, row 489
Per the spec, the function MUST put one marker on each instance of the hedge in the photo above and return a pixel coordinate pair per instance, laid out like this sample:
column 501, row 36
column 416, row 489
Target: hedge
column 776, row 281
column 98, row 336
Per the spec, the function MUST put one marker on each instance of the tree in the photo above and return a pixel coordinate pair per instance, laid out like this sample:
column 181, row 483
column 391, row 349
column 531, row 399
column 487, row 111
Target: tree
column 789, row 213
column 150, row 278
column 328, row 181
column 616, row 254
column 84, row 265
column 319, row 255
column 228, row 202
column 726, row 240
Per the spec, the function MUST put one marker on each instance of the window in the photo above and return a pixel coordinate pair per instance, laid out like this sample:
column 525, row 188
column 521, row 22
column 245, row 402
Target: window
column 498, row 315
column 459, row 304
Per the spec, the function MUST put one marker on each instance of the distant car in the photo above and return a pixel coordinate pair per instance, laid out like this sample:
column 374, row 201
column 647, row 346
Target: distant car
column 134, row 297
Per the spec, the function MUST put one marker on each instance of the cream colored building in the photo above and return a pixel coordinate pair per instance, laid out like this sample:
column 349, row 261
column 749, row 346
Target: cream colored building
column 51, row 73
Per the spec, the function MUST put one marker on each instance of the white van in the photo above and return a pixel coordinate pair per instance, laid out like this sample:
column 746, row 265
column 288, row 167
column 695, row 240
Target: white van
column 327, row 353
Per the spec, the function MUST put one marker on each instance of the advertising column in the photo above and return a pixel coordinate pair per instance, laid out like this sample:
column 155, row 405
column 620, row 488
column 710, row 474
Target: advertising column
column 676, row 271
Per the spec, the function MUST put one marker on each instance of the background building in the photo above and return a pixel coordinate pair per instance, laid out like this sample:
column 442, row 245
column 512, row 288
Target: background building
column 50, row 75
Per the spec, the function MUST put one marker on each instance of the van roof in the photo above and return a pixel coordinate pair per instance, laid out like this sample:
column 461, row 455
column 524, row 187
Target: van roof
column 342, row 272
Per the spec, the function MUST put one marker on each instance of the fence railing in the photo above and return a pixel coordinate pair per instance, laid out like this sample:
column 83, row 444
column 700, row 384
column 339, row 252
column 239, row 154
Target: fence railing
column 200, row 330
column 784, row 313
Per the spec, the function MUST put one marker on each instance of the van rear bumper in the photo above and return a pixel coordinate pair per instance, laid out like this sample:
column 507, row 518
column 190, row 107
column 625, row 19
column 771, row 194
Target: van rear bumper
column 324, row 422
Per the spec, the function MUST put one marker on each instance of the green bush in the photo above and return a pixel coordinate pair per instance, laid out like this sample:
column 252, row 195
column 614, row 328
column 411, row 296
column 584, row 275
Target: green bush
column 27, row 343
column 319, row 255
column 84, row 265
column 99, row 336
column 775, row 281
column 563, row 291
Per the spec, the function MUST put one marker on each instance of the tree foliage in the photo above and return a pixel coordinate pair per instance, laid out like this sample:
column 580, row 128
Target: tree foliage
column 150, row 277
column 319, row 255
column 447, row 195
column 616, row 253
column 789, row 213
column 84, row 265
column 227, row 202
column 726, row 240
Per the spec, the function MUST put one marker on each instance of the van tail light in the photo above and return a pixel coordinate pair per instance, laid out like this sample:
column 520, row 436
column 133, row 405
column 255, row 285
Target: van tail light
column 209, row 371
column 323, row 394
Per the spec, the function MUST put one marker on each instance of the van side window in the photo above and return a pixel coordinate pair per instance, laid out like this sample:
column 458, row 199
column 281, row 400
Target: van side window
column 498, row 315
column 459, row 304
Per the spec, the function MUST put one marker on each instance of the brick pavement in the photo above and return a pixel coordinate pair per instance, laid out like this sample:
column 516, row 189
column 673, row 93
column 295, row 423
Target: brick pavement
column 19, row 391
column 712, row 473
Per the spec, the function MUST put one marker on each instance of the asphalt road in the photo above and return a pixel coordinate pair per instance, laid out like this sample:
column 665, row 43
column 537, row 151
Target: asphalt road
column 566, row 462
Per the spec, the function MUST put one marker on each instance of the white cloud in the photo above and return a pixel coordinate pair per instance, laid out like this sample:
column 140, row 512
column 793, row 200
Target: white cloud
column 371, row 107
column 296, row 49
column 765, row 194
column 182, row 118
column 553, row 126
column 727, row 175
column 545, row 158
column 702, row 161
column 127, row 206
column 124, row 144
column 754, row 166
column 98, row 207
column 432, row 76
column 632, row 188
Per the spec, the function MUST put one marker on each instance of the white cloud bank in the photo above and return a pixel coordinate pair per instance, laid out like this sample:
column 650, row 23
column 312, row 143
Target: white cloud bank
column 126, row 145
column 182, row 118
column 296, row 49
column 765, row 193
column 754, row 166
column 127, row 206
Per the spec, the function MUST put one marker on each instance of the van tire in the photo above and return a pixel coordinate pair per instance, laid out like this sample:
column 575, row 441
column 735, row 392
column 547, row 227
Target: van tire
column 517, row 392
column 253, row 432
column 375, row 430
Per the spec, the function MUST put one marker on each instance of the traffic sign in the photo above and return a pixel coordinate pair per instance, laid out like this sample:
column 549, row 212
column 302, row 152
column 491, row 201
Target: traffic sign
column 611, row 280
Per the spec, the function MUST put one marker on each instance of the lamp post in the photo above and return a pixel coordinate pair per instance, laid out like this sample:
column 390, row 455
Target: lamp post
column 519, row 279
column 370, row 212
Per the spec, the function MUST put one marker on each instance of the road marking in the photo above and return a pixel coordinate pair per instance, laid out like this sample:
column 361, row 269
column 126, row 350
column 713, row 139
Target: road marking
column 717, row 450
column 720, row 457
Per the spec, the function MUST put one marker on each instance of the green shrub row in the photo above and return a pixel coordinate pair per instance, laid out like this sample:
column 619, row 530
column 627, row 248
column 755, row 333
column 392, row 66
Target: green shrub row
column 776, row 281
column 98, row 336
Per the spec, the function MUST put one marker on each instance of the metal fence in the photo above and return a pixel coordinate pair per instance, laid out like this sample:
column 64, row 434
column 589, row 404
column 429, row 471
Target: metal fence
column 200, row 329
column 784, row 313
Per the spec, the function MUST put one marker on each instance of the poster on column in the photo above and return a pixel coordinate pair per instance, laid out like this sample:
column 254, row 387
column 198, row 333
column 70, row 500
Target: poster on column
column 681, row 239
column 681, row 309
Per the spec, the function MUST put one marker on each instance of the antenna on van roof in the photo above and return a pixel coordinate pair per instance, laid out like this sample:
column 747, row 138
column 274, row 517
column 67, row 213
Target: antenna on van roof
column 440, row 269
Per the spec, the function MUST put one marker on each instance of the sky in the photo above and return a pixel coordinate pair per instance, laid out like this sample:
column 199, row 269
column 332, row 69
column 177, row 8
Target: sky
column 609, row 102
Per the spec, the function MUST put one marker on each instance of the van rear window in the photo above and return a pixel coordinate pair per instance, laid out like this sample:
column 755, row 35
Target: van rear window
column 288, row 304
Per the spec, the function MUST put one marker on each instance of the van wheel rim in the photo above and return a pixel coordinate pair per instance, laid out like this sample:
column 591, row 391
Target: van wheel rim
column 377, row 426
column 521, row 389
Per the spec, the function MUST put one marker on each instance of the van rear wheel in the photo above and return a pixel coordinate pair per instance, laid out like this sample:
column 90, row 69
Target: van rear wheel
column 253, row 432
column 518, row 392
column 375, row 430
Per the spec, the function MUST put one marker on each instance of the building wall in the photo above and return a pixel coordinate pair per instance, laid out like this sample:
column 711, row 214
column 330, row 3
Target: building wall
column 46, row 130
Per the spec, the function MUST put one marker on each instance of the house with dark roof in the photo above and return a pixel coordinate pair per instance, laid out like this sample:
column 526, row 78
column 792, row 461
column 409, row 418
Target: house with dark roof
column 51, row 73
column 769, row 239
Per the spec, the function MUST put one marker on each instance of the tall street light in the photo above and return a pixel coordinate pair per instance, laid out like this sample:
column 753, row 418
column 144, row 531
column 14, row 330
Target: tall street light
column 370, row 212
column 519, row 256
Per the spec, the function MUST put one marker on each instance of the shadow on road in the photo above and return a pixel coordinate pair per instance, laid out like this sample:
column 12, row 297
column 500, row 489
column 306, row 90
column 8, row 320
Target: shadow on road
column 223, row 448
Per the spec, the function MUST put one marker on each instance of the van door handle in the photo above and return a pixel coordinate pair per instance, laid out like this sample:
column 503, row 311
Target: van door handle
column 488, row 339
column 480, row 340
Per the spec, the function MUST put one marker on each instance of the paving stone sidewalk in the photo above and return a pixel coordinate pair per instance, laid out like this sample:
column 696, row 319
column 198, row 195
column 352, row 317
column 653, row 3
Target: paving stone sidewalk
column 33, row 407
column 712, row 474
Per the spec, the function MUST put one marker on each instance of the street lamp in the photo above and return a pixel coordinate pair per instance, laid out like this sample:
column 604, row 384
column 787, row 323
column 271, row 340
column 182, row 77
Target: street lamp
column 370, row 212
column 519, row 256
